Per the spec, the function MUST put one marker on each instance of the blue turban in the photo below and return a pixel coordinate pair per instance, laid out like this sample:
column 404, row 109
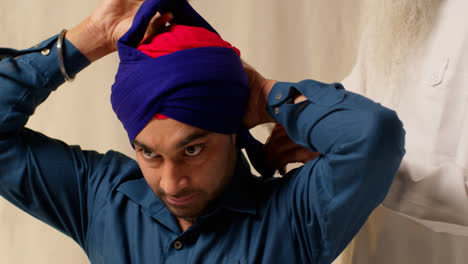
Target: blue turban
column 204, row 87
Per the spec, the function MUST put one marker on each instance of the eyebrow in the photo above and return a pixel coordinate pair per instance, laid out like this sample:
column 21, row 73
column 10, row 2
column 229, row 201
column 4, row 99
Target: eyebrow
column 180, row 144
column 191, row 138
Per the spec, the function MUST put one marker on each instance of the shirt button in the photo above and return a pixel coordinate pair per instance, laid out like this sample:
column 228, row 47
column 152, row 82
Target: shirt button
column 178, row 245
column 277, row 110
column 45, row 52
column 279, row 96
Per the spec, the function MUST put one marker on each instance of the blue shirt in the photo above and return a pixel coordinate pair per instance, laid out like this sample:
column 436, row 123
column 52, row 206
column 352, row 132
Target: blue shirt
column 103, row 202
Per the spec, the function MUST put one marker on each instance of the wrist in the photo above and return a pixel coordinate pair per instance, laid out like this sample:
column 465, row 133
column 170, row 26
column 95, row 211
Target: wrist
column 89, row 40
column 299, row 98
column 267, row 86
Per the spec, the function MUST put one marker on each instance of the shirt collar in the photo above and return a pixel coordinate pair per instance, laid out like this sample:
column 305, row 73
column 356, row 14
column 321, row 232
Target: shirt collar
column 139, row 192
column 239, row 195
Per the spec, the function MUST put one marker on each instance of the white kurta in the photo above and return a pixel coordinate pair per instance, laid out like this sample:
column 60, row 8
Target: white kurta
column 424, row 219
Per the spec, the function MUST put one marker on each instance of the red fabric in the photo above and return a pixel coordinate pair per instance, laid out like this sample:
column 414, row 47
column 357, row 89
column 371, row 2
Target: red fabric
column 180, row 37
column 160, row 116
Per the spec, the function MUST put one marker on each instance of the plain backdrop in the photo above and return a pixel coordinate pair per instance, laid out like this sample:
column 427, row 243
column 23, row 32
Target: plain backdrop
column 285, row 40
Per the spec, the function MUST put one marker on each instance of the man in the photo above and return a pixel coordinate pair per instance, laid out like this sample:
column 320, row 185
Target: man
column 413, row 58
column 191, row 197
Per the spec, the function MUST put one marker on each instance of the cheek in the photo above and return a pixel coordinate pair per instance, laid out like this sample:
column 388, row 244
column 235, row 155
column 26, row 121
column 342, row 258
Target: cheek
column 204, row 174
column 151, row 177
column 218, row 168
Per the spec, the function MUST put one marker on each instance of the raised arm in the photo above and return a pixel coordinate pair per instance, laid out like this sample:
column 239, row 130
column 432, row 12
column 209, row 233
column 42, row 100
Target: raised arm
column 361, row 145
column 45, row 177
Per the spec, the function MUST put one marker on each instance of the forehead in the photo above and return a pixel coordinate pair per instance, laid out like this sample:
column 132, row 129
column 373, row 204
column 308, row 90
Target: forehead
column 159, row 132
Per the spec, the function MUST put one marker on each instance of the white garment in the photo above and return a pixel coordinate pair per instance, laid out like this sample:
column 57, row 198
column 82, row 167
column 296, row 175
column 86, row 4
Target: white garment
column 424, row 219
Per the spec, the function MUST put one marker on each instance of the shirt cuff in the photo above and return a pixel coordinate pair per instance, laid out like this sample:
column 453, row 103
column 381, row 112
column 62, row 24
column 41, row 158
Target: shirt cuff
column 281, row 97
column 44, row 57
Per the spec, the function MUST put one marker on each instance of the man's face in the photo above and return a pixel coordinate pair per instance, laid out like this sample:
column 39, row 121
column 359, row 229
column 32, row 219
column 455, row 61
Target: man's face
column 186, row 167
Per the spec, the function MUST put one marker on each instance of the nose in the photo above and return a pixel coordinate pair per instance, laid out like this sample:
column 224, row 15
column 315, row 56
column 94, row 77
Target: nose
column 173, row 178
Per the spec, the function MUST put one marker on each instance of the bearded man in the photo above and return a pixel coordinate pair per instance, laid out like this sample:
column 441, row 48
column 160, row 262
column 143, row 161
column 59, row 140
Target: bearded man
column 186, row 102
column 413, row 58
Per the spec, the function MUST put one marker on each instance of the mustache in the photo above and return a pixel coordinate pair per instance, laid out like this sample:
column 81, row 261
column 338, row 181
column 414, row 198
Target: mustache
column 184, row 192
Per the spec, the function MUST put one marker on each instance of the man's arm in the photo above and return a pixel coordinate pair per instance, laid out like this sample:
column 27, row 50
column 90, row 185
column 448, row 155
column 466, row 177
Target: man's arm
column 361, row 145
column 42, row 176
column 45, row 177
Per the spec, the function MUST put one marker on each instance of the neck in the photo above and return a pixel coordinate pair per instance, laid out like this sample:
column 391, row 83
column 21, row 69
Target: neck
column 185, row 223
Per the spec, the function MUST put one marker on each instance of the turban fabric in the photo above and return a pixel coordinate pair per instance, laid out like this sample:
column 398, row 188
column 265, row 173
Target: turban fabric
column 188, row 74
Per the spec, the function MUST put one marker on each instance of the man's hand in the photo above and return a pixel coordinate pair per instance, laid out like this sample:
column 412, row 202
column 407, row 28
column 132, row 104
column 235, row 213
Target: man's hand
column 98, row 34
column 260, row 87
column 280, row 150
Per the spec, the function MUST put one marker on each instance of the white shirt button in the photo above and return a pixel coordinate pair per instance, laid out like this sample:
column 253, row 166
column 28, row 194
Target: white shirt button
column 45, row 52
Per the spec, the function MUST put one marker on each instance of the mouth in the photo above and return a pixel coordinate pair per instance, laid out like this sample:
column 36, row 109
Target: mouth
column 181, row 201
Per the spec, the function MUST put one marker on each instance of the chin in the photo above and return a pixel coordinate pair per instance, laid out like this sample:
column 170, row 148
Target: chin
column 189, row 211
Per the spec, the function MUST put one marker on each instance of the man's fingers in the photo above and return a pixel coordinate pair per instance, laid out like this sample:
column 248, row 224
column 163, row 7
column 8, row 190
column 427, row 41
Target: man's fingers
column 304, row 155
column 280, row 144
column 278, row 137
column 281, row 147
column 157, row 25
column 282, row 169
column 292, row 155
column 281, row 150
column 298, row 154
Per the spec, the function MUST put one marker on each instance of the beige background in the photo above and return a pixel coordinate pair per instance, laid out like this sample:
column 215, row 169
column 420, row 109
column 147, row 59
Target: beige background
column 286, row 40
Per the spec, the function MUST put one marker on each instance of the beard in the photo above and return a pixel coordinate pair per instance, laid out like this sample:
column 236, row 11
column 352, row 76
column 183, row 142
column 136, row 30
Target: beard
column 203, row 203
column 191, row 211
column 395, row 31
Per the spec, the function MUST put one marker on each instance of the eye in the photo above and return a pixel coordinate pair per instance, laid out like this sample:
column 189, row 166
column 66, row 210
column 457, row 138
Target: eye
column 148, row 154
column 193, row 150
